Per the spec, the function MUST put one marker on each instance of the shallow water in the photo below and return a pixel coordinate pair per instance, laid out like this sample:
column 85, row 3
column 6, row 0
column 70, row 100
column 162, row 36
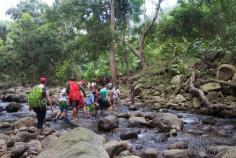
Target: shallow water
column 149, row 137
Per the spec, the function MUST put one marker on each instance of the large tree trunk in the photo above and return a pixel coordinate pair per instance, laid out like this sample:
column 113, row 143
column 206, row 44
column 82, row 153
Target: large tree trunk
column 113, row 66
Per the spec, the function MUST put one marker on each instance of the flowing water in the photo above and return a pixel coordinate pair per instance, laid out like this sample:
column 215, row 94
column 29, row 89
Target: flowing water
column 223, row 132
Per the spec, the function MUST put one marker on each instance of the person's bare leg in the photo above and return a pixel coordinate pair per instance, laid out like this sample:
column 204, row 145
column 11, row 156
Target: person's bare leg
column 85, row 112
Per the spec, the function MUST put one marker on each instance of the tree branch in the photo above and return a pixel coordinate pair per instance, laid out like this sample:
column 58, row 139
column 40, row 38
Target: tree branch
column 148, row 29
column 131, row 47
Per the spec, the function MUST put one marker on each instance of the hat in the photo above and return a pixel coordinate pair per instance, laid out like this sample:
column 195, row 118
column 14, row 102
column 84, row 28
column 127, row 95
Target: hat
column 43, row 80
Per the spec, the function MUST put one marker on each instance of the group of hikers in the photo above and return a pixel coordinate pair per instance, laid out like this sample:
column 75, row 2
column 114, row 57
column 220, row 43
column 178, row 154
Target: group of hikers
column 73, row 96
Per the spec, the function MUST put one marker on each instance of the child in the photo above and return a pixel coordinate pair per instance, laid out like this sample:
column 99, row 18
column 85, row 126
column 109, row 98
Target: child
column 90, row 102
column 63, row 103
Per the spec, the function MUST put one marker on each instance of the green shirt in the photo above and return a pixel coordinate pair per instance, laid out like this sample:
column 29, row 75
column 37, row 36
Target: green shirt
column 104, row 93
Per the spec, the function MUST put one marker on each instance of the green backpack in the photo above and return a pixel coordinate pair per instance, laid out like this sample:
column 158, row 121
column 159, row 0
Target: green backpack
column 35, row 97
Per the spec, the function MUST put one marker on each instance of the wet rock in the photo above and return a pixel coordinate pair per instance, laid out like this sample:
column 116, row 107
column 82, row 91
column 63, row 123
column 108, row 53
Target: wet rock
column 163, row 137
column 114, row 147
column 132, row 156
column 209, row 120
column 196, row 103
column 138, row 122
column 179, row 116
column 15, row 98
column 32, row 129
column 225, row 72
column 167, row 121
column 178, row 145
column 179, row 98
column 25, row 122
column 3, row 153
column 25, row 136
column 125, row 115
column 174, row 132
column 150, row 153
column 133, row 107
column 79, row 143
column 108, row 123
column 5, row 125
column 48, row 131
column 210, row 87
column 11, row 142
column 149, row 115
column 131, row 134
column 2, row 109
column 18, row 149
column 175, row 153
column 22, row 129
column 35, row 146
column 13, row 107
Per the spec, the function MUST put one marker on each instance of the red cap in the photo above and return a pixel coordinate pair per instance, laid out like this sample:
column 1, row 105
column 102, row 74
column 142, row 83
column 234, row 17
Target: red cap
column 43, row 80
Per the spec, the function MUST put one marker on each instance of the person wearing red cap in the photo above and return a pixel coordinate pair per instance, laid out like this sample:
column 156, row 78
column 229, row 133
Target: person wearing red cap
column 41, row 111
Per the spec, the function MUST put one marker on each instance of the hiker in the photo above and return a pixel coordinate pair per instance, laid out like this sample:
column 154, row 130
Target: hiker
column 90, row 104
column 38, row 99
column 92, row 85
column 110, row 94
column 104, row 100
column 63, row 103
column 75, row 98
column 116, row 94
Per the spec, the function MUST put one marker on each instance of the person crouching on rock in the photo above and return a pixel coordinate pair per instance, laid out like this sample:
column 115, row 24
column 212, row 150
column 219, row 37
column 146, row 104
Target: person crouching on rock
column 75, row 98
column 38, row 99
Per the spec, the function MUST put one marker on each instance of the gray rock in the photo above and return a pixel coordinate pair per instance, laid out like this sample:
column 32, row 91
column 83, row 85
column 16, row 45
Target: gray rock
column 108, row 123
column 79, row 143
column 138, row 122
column 175, row 153
column 13, row 107
column 150, row 153
column 18, row 149
column 131, row 134
column 25, row 122
column 226, row 72
column 114, row 147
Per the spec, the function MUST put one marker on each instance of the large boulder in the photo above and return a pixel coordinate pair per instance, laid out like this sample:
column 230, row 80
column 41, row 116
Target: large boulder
column 78, row 143
column 25, row 122
column 114, row 147
column 108, row 123
column 130, row 134
column 210, row 87
column 138, row 122
column 167, row 121
column 19, row 98
column 13, row 107
column 225, row 72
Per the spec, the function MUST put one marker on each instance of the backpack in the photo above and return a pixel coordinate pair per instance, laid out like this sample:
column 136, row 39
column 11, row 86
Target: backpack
column 35, row 97
column 74, row 93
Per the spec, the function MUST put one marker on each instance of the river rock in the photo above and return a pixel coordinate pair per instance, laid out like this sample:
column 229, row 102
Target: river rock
column 5, row 125
column 179, row 98
column 25, row 136
column 108, row 123
column 137, row 89
column 3, row 144
column 131, row 134
column 15, row 98
column 35, row 146
column 167, row 121
column 209, row 120
column 47, row 131
column 150, row 153
column 175, row 153
column 234, row 78
column 132, row 156
column 210, row 87
column 225, row 72
column 25, row 122
column 125, row 115
column 114, row 147
column 125, row 153
column 13, row 107
column 203, row 154
column 2, row 109
column 32, row 129
column 18, row 149
column 79, row 143
column 196, row 103
column 178, row 145
column 138, row 122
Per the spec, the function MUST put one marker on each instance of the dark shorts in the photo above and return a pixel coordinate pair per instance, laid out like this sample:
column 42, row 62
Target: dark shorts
column 63, row 106
column 103, row 104
column 77, row 103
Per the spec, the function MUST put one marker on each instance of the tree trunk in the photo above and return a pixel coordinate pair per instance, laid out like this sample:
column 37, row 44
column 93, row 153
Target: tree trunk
column 113, row 66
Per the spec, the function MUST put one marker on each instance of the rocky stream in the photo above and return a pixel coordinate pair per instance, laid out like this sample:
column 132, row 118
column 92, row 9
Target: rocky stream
column 125, row 132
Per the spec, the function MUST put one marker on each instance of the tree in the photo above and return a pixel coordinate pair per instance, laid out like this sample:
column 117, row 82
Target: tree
column 139, row 52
